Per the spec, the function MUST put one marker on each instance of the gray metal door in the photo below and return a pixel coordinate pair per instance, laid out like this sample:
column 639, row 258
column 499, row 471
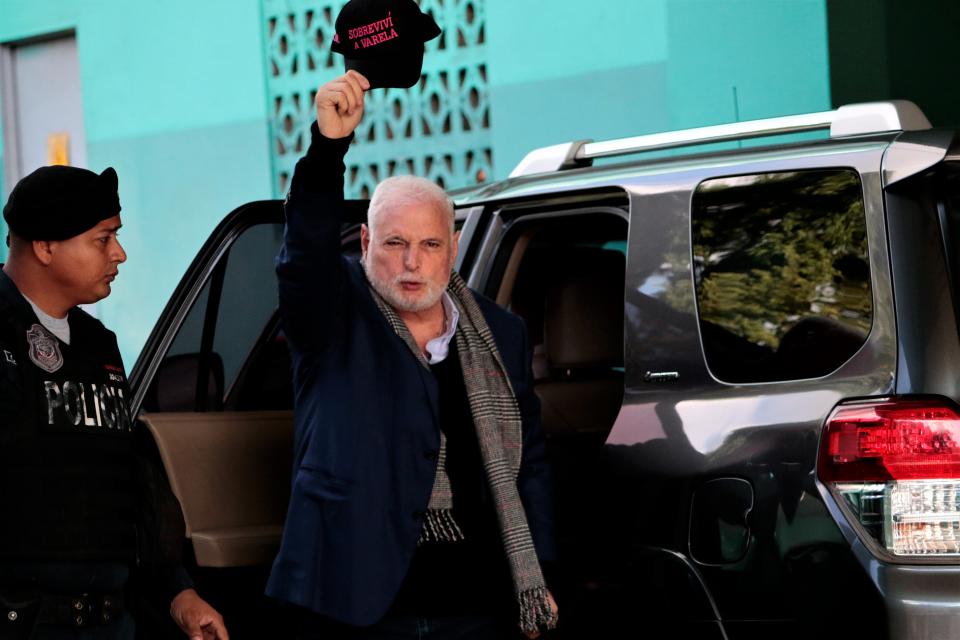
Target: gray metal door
column 43, row 107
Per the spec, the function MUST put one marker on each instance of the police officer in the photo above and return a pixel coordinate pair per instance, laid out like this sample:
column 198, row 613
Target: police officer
column 81, row 513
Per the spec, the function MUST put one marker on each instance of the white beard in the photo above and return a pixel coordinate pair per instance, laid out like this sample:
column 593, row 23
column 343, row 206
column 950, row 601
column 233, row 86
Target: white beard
column 390, row 291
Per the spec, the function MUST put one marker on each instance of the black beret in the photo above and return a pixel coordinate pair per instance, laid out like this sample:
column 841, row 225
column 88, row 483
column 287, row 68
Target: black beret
column 383, row 40
column 56, row 203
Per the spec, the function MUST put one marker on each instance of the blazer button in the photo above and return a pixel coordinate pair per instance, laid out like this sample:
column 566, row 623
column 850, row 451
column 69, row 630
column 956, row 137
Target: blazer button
column 418, row 515
column 431, row 455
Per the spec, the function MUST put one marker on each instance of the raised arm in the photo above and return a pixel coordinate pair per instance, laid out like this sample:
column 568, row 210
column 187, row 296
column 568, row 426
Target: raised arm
column 310, row 265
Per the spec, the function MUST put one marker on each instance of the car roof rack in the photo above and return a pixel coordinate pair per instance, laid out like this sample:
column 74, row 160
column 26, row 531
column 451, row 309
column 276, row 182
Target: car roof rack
column 848, row 120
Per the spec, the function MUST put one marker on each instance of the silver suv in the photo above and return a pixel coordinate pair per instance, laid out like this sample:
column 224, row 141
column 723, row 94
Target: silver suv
column 747, row 356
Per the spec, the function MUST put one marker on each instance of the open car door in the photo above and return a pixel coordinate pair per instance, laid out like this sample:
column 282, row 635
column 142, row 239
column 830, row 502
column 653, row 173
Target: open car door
column 213, row 386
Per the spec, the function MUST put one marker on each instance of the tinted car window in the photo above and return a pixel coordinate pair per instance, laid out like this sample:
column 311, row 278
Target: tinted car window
column 249, row 297
column 232, row 319
column 781, row 272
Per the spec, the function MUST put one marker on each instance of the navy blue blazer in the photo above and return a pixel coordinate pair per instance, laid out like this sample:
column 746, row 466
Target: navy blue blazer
column 366, row 417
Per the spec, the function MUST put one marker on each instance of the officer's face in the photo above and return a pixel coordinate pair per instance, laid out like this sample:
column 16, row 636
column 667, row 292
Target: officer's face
column 409, row 255
column 85, row 265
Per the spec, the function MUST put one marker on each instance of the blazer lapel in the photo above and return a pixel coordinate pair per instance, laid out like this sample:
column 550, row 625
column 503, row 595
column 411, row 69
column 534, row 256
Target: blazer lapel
column 433, row 391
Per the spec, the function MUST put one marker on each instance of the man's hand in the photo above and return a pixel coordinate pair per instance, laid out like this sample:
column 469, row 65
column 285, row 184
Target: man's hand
column 340, row 104
column 196, row 618
column 553, row 607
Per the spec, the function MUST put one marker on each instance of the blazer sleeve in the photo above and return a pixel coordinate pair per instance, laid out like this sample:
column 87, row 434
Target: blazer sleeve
column 310, row 267
column 535, row 480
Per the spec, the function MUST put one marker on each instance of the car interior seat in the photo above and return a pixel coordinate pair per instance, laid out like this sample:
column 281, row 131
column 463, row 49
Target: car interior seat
column 175, row 385
column 583, row 344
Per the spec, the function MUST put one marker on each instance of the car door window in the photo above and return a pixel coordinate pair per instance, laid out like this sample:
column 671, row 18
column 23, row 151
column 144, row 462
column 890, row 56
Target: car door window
column 782, row 273
column 225, row 336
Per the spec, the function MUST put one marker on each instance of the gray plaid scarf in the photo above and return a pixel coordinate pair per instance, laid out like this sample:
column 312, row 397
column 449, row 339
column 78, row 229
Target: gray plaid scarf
column 497, row 420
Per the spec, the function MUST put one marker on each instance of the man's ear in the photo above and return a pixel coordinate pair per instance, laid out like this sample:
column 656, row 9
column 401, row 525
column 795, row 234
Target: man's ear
column 44, row 250
column 456, row 245
column 364, row 239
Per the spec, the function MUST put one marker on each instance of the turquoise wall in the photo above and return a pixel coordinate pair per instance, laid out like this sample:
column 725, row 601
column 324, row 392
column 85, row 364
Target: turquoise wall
column 570, row 70
column 173, row 98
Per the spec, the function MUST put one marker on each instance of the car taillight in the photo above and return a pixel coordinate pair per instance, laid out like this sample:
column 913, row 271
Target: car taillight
column 896, row 463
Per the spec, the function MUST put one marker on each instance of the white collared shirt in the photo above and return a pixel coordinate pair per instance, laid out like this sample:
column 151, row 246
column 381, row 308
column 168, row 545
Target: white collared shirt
column 439, row 347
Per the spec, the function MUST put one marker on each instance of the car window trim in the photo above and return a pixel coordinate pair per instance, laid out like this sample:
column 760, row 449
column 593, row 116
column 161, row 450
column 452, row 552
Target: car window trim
column 503, row 224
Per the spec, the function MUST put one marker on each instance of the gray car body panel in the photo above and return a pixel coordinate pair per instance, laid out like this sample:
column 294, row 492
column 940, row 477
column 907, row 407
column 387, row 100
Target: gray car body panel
column 679, row 423
column 682, row 434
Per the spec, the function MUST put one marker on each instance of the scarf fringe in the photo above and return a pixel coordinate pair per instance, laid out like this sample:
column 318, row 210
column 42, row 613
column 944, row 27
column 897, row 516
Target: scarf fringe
column 439, row 526
column 535, row 611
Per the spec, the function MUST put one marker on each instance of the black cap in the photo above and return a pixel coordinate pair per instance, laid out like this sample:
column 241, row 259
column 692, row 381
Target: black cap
column 383, row 40
column 56, row 203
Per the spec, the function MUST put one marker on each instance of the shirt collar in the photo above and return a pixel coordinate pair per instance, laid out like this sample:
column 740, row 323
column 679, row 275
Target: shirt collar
column 439, row 347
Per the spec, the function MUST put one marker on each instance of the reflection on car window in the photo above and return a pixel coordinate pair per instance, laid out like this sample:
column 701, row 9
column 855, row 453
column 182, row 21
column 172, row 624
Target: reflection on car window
column 782, row 273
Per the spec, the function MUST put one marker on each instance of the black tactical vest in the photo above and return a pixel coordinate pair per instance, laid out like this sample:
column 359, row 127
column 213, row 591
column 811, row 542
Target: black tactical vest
column 68, row 489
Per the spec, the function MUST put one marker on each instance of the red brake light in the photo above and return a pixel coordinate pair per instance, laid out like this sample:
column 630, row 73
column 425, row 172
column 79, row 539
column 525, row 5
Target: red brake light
column 896, row 466
column 892, row 440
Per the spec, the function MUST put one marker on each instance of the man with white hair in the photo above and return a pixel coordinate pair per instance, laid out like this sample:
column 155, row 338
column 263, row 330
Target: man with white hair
column 421, row 500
